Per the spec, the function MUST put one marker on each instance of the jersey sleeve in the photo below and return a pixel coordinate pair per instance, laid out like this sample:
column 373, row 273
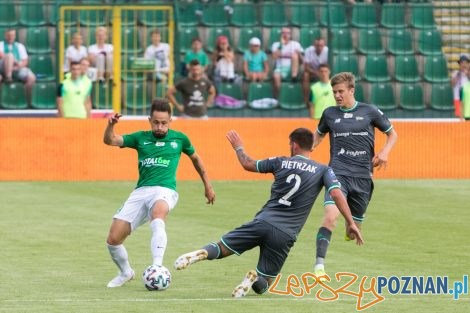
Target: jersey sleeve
column 330, row 181
column 380, row 121
column 131, row 140
column 323, row 127
column 188, row 148
column 267, row 165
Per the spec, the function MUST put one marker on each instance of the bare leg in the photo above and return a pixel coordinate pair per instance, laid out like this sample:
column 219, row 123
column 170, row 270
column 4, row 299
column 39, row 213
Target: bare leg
column 8, row 61
column 295, row 65
column 30, row 80
column 277, row 84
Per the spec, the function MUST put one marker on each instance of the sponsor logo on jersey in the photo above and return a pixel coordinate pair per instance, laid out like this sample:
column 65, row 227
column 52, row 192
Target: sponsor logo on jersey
column 147, row 143
column 160, row 144
column 351, row 153
column 348, row 115
column 294, row 165
column 359, row 118
column 155, row 162
column 347, row 134
column 174, row 144
column 337, row 121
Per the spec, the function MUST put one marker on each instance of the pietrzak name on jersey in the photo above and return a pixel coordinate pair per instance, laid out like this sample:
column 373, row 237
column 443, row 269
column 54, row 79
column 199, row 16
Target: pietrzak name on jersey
column 155, row 162
column 292, row 165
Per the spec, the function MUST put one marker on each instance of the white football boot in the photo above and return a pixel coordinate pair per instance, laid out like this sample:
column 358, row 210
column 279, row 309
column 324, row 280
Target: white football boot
column 187, row 259
column 120, row 280
column 242, row 289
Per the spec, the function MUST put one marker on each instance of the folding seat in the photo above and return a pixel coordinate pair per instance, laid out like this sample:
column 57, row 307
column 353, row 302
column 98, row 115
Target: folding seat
column 346, row 63
column 376, row 69
column 32, row 14
column 422, row 16
column 430, row 42
column 442, row 97
column 273, row 14
column 435, row 69
column 258, row 91
column 44, row 96
column 102, row 96
column 411, row 97
column 13, row 96
column 382, row 96
column 341, row 41
column 291, row 96
column 244, row 15
column 406, row 69
column 393, row 15
column 8, row 16
column 214, row 15
column 37, row 40
column 303, row 15
column 364, row 15
column 400, row 42
column 370, row 41
column 333, row 15
column 130, row 41
column 41, row 66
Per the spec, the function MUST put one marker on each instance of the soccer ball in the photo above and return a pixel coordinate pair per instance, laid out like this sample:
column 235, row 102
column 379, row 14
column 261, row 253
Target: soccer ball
column 156, row 278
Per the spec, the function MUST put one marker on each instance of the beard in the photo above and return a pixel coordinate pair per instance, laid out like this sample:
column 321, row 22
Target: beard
column 160, row 134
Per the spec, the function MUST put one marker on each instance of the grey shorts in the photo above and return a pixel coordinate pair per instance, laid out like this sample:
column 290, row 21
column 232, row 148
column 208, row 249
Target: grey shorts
column 274, row 245
column 358, row 192
column 21, row 74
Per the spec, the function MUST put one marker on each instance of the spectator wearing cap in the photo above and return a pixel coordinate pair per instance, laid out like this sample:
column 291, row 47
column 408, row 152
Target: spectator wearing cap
column 255, row 62
column 459, row 79
column 288, row 54
column 196, row 53
column 315, row 55
column 223, row 61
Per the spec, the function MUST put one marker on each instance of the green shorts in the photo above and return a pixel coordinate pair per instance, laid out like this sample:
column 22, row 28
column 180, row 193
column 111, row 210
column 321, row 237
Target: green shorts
column 284, row 71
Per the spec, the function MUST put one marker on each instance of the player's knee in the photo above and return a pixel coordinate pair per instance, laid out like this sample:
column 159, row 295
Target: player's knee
column 329, row 222
column 260, row 285
column 113, row 240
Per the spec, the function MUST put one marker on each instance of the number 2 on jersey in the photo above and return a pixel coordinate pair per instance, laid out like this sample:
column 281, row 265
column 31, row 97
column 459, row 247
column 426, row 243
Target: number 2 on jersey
column 285, row 199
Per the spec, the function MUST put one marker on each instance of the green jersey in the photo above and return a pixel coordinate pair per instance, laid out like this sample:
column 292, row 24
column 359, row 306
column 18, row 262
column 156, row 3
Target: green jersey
column 158, row 158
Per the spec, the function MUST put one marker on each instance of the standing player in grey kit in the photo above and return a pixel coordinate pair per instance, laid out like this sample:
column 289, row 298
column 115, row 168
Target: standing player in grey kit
column 350, row 125
column 298, row 181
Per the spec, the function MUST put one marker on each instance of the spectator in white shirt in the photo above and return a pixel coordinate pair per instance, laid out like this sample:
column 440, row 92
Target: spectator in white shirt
column 288, row 54
column 101, row 54
column 14, row 62
column 315, row 55
column 160, row 52
column 75, row 52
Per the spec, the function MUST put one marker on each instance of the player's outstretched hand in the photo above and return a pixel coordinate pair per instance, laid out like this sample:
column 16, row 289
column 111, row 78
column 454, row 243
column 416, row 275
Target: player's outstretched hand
column 354, row 233
column 234, row 139
column 380, row 160
column 210, row 195
column 114, row 119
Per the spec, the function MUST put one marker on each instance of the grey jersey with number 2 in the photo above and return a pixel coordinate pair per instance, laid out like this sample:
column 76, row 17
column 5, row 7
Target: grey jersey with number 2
column 352, row 137
column 297, row 183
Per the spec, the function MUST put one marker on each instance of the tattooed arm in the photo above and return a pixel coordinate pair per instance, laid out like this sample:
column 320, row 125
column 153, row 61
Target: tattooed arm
column 199, row 166
column 248, row 163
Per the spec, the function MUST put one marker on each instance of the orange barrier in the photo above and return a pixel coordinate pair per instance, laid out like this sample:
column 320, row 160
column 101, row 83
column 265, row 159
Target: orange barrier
column 68, row 150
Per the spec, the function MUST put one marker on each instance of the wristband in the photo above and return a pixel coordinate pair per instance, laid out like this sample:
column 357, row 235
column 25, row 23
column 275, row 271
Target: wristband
column 239, row 148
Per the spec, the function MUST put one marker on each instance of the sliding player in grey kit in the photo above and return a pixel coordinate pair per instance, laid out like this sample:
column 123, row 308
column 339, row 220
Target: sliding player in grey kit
column 298, row 181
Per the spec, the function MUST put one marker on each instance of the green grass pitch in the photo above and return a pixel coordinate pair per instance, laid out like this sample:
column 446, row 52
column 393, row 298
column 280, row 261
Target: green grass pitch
column 53, row 256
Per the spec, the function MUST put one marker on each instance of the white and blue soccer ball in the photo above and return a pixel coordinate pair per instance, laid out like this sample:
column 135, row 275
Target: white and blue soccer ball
column 156, row 278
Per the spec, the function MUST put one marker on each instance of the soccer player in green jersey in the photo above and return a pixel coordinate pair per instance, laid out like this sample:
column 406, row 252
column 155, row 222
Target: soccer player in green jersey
column 159, row 151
